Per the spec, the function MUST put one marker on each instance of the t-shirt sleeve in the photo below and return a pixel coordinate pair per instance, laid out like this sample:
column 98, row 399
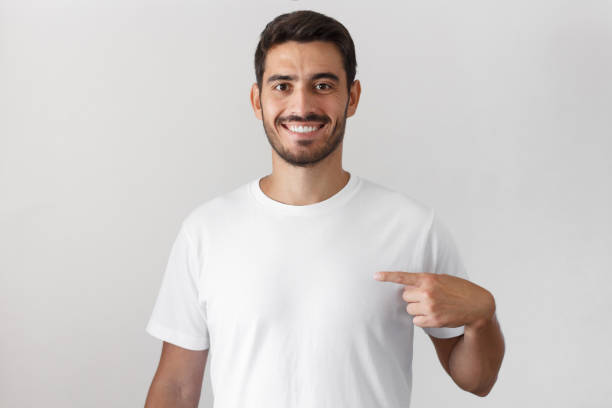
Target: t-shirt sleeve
column 441, row 255
column 178, row 316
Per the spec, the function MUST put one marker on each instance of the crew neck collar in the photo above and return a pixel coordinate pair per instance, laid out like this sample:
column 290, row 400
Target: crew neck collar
column 335, row 201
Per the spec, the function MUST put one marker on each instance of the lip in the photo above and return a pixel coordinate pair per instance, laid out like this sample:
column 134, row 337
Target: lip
column 308, row 135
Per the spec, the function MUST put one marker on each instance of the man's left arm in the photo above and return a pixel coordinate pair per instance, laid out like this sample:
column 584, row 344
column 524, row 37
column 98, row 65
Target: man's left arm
column 473, row 359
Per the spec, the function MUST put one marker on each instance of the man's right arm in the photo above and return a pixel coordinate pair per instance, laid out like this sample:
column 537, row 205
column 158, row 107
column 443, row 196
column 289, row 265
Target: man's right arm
column 178, row 379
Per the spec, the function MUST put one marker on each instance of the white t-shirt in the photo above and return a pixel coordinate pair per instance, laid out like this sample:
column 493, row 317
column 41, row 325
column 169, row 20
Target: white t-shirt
column 286, row 300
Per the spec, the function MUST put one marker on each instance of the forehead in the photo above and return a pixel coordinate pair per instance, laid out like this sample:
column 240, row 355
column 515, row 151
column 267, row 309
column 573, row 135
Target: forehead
column 314, row 56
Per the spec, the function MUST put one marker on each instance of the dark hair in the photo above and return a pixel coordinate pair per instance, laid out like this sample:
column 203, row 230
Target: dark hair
column 306, row 26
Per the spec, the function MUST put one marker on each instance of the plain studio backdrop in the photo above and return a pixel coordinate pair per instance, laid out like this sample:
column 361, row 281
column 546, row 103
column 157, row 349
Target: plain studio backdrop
column 119, row 117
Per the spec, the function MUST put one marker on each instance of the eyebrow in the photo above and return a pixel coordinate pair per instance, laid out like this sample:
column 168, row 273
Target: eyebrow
column 320, row 75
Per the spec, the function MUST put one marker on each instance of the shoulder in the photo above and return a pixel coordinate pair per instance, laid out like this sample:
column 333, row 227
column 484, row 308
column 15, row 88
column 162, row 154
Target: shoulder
column 216, row 211
column 396, row 202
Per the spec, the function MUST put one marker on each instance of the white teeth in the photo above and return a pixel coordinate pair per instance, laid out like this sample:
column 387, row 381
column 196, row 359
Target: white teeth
column 303, row 129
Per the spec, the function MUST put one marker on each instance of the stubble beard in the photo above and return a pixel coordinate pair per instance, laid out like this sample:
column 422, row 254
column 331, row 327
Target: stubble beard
column 309, row 152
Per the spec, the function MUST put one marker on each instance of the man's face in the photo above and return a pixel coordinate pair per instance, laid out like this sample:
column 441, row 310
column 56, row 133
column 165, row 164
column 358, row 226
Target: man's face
column 304, row 101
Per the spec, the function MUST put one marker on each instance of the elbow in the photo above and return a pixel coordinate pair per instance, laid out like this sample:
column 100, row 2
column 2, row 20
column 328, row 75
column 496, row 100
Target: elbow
column 484, row 390
column 482, row 393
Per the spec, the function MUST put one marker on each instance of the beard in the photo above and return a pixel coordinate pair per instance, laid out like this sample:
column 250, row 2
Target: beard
column 309, row 151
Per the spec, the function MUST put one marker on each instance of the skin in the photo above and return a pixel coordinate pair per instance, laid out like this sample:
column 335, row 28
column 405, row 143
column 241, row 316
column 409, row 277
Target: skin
column 473, row 359
column 178, row 379
column 304, row 171
column 309, row 170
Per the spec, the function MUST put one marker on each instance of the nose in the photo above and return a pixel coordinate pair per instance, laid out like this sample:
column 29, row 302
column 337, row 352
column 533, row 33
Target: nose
column 302, row 102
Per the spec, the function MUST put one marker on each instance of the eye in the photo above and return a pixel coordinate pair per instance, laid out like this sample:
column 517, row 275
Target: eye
column 281, row 84
column 324, row 84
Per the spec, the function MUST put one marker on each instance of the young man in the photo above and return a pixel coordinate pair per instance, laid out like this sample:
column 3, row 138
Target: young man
column 277, row 276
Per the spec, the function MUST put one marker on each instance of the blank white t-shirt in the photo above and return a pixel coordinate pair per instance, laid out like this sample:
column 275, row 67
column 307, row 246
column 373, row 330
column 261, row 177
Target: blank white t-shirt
column 284, row 295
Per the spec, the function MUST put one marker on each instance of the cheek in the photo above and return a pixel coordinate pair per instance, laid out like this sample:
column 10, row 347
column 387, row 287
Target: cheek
column 334, row 109
column 271, row 112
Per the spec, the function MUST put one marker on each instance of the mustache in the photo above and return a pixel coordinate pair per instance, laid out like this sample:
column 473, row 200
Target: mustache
column 309, row 118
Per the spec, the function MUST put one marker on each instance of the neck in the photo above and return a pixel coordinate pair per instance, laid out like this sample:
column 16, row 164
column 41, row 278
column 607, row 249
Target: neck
column 304, row 185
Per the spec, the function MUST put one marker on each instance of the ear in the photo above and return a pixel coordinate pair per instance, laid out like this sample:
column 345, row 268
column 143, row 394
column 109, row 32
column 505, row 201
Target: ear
column 354, row 94
column 255, row 100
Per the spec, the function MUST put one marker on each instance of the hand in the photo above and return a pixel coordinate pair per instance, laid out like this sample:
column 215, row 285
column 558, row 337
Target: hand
column 441, row 300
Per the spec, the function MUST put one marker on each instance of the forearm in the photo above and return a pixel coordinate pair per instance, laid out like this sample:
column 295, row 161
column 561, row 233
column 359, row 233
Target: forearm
column 162, row 395
column 475, row 360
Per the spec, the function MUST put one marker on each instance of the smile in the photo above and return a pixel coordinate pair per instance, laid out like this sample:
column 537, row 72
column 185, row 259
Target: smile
column 303, row 130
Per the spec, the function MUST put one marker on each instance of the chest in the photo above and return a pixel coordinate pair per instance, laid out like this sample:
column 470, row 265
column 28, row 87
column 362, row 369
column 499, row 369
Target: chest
column 305, row 277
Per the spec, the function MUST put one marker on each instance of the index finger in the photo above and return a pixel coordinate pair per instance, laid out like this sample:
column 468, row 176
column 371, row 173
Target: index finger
column 405, row 278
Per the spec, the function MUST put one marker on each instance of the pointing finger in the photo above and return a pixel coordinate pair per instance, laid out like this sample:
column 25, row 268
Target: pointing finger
column 405, row 278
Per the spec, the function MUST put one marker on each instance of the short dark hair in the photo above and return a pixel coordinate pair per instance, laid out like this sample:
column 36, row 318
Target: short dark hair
column 305, row 26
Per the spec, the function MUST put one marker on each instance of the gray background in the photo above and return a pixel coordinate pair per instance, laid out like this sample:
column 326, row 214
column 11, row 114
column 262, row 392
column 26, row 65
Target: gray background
column 119, row 117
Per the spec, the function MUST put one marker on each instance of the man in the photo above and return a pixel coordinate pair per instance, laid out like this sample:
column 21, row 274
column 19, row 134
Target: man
column 277, row 276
